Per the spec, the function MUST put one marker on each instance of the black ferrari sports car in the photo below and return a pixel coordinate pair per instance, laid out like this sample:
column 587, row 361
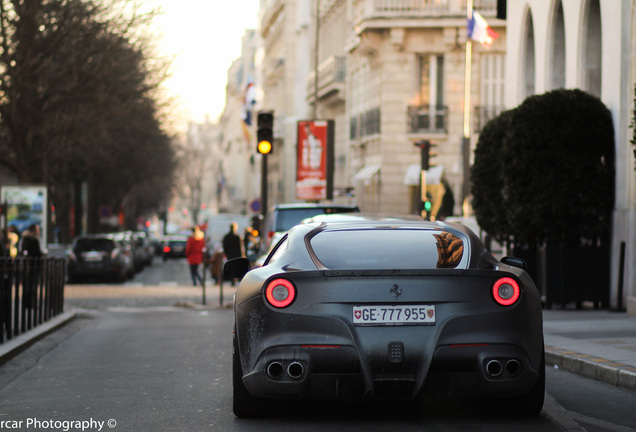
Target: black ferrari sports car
column 386, row 309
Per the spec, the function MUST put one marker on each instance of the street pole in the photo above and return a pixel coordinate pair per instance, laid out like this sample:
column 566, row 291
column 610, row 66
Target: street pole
column 316, row 60
column 264, row 185
column 466, row 139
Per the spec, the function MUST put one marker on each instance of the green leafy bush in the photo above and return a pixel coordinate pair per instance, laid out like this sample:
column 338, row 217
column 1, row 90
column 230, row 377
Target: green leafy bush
column 488, row 185
column 554, row 168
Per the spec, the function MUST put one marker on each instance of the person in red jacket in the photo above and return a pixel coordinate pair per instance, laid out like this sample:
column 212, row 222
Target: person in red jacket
column 195, row 248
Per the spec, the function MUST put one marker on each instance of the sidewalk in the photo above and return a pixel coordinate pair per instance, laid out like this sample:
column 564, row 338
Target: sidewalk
column 596, row 344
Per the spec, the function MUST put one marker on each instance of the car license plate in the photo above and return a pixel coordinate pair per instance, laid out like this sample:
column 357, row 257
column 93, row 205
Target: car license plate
column 93, row 256
column 385, row 315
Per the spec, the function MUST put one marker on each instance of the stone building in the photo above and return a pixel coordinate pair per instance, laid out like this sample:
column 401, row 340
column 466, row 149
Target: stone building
column 390, row 73
column 283, row 62
column 235, row 170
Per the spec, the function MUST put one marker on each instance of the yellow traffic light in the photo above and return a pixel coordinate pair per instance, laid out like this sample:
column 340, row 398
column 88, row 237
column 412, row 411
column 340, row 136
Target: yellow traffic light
column 264, row 147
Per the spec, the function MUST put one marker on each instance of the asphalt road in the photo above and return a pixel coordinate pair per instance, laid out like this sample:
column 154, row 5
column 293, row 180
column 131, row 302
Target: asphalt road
column 146, row 365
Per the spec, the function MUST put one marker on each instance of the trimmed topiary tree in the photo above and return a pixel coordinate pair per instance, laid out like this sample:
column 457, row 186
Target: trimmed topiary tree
column 543, row 181
column 487, row 178
column 559, row 170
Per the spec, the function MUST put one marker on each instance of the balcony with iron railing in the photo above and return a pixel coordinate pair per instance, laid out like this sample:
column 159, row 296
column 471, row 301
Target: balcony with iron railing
column 427, row 119
column 366, row 10
column 364, row 124
column 331, row 80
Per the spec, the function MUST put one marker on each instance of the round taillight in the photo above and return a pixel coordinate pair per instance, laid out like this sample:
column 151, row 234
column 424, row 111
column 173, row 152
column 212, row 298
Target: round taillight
column 506, row 291
column 280, row 293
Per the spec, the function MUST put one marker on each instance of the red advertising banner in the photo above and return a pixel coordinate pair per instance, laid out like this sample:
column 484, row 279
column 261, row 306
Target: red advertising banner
column 312, row 167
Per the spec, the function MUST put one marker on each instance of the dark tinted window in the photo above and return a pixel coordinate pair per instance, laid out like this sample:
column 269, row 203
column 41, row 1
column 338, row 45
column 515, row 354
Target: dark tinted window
column 287, row 218
column 388, row 249
column 98, row 244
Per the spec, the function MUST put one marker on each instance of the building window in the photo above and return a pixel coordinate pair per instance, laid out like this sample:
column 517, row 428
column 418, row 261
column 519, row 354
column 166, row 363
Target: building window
column 528, row 66
column 365, row 124
column 492, row 89
column 430, row 113
column 557, row 52
column 592, row 52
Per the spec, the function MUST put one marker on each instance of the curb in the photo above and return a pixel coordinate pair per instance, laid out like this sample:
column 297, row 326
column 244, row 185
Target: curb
column 19, row 343
column 600, row 369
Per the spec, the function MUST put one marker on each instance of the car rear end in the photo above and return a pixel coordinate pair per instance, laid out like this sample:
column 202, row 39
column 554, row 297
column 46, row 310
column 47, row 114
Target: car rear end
column 174, row 247
column 94, row 256
column 355, row 328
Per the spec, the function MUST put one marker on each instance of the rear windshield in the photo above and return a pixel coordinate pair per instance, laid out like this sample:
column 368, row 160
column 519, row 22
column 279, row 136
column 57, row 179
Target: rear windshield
column 388, row 249
column 178, row 242
column 288, row 218
column 102, row 245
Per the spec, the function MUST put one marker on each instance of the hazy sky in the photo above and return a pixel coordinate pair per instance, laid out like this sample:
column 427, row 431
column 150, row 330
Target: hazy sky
column 205, row 36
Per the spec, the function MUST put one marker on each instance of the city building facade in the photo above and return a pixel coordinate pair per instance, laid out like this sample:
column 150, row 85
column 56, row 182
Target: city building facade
column 282, row 62
column 235, row 170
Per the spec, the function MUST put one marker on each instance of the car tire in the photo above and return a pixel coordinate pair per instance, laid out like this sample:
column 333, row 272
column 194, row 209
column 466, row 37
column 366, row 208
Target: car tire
column 244, row 404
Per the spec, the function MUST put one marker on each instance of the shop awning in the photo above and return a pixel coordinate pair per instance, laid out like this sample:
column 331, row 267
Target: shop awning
column 365, row 174
column 412, row 175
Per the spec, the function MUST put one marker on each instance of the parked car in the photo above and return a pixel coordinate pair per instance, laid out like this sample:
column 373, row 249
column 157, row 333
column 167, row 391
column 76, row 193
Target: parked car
column 385, row 309
column 284, row 216
column 174, row 246
column 143, row 244
column 128, row 248
column 97, row 256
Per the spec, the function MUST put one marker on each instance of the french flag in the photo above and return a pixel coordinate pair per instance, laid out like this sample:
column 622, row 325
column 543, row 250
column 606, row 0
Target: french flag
column 479, row 30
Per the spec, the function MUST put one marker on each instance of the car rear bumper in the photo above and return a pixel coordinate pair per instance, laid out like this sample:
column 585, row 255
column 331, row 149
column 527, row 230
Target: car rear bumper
column 336, row 372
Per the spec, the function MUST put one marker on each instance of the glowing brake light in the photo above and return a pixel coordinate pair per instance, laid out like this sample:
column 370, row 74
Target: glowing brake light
column 280, row 293
column 506, row 291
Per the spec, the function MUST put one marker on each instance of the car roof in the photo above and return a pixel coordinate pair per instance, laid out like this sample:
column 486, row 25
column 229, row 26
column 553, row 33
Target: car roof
column 353, row 217
column 312, row 205
column 371, row 223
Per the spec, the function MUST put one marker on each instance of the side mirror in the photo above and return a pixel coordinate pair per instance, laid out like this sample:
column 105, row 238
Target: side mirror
column 236, row 268
column 515, row 262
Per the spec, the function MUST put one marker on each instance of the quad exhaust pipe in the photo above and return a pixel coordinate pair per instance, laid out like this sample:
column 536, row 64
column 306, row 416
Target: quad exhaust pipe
column 495, row 368
column 295, row 370
column 275, row 370
column 513, row 367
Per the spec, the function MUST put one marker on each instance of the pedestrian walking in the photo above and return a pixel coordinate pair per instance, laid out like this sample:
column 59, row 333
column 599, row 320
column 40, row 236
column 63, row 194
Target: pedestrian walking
column 232, row 244
column 30, row 242
column 30, row 248
column 195, row 248
column 13, row 238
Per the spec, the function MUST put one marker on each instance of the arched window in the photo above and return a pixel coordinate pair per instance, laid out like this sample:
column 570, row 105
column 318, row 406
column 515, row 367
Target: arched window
column 556, row 63
column 528, row 60
column 592, row 52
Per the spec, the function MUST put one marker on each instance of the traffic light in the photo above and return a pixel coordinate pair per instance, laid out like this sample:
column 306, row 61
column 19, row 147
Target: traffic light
column 428, row 205
column 427, row 153
column 265, row 132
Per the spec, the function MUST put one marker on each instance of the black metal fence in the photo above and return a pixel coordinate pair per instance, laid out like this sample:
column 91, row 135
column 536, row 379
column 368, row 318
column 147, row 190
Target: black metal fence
column 31, row 292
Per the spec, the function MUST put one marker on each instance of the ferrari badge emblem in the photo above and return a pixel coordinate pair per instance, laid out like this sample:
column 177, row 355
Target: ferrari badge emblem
column 396, row 291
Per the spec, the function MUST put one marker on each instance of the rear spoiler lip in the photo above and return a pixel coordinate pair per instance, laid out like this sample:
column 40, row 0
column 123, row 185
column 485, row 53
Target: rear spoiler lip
column 296, row 273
